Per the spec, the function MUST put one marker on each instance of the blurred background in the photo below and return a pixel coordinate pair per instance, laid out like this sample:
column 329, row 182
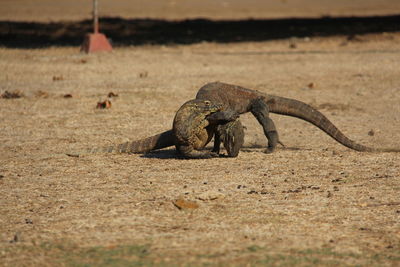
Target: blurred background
column 42, row 23
column 61, row 10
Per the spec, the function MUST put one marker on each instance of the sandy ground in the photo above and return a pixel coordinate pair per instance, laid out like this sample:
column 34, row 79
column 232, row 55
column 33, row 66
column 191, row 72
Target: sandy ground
column 313, row 202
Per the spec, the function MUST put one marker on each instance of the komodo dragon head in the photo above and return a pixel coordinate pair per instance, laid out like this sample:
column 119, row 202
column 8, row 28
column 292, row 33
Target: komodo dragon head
column 193, row 113
column 191, row 117
column 204, row 107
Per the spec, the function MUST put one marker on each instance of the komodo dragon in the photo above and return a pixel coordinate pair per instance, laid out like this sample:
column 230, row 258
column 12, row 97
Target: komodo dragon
column 242, row 100
column 194, row 125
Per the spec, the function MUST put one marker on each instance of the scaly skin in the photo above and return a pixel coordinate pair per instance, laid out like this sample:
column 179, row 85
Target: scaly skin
column 193, row 128
column 242, row 100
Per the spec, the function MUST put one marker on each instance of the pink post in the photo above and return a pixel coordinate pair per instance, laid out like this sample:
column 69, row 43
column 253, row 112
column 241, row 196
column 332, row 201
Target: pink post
column 96, row 41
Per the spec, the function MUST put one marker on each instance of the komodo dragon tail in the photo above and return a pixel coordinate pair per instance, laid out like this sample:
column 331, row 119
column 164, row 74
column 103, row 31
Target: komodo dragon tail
column 295, row 108
column 158, row 141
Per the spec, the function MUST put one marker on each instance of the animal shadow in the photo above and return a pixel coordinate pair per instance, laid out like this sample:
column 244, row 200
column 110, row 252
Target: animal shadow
column 162, row 154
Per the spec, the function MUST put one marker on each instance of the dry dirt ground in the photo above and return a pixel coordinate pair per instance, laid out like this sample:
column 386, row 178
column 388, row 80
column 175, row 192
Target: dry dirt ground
column 312, row 203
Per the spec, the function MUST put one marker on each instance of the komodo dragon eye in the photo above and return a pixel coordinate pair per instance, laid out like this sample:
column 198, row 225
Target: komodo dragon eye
column 207, row 103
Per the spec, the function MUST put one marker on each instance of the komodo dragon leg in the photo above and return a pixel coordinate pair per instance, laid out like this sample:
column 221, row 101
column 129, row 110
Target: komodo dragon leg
column 232, row 136
column 229, row 130
column 260, row 110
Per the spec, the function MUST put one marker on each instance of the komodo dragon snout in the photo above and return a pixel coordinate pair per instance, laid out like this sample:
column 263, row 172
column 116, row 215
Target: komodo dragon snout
column 203, row 106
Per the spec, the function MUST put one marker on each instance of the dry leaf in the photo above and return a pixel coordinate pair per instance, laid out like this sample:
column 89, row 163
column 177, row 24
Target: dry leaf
column 112, row 94
column 42, row 94
column 143, row 74
column 181, row 204
column 104, row 104
column 58, row 78
column 311, row 85
column 10, row 95
column 371, row 132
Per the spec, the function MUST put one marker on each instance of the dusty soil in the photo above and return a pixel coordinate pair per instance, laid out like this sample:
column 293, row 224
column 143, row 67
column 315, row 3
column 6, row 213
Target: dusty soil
column 313, row 202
